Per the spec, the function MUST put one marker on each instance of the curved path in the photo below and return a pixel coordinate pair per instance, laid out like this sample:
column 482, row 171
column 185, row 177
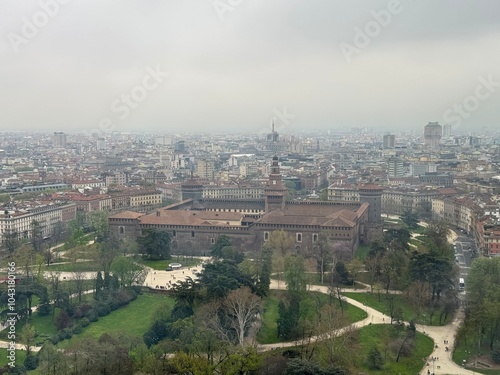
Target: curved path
column 442, row 365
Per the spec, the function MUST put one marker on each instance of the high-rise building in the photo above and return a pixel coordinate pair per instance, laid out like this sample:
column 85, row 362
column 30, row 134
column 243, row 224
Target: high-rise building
column 446, row 130
column 432, row 134
column 206, row 168
column 59, row 140
column 389, row 140
column 395, row 167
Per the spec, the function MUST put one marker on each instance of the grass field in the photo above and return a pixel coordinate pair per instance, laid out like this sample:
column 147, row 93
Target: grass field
column 268, row 333
column 379, row 336
column 90, row 266
column 469, row 353
column 20, row 357
column 133, row 319
column 372, row 300
column 44, row 327
column 362, row 252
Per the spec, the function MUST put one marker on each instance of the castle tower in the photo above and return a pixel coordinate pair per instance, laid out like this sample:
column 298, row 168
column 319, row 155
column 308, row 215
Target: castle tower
column 372, row 194
column 275, row 191
column 191, row 190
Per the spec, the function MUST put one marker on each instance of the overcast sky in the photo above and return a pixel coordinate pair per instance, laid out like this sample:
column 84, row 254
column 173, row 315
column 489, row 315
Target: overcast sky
column 233, row 65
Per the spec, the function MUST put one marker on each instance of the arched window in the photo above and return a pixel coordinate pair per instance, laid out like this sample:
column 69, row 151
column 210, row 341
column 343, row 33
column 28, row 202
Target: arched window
column 121, row 230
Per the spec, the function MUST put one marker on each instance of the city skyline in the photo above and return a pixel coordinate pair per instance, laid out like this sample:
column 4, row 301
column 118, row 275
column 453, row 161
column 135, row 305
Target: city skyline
column 224, row 66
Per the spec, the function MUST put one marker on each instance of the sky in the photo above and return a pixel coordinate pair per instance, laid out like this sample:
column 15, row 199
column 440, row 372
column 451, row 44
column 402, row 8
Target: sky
column 237, row 65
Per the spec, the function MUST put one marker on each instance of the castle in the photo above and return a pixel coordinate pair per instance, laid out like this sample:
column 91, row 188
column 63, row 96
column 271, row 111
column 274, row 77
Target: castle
column 195, row 222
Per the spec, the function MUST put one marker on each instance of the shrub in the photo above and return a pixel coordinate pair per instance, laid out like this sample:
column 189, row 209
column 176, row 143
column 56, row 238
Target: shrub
column 84, row 322
column 77, row 328
column 55, row 339
column 63, row 320
column 113, row 305
column 44, row 309
column 81, row 310
column 61, row 335
column 495, row 356
column 68, row 333
column 102, row 309
column 31, row 362
column 375, row 360
column 92, row 315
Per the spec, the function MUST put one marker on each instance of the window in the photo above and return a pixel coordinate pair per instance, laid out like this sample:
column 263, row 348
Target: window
column 266, row 236
column 174, row 233
column 122, row 230
column 192, row 233
column 315, row 237
column 212, row 241
column 298, row 237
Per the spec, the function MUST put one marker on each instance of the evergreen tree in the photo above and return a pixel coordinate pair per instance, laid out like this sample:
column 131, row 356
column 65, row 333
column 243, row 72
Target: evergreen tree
column 375, row 360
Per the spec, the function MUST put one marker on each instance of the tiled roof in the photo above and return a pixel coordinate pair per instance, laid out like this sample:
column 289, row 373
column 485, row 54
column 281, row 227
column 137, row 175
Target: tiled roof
column 126, row 215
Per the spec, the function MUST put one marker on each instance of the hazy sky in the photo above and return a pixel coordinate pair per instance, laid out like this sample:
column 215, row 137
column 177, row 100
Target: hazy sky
column 231, row 65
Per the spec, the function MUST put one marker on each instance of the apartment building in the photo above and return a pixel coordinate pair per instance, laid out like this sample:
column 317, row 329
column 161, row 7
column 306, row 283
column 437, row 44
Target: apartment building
column 19, row 220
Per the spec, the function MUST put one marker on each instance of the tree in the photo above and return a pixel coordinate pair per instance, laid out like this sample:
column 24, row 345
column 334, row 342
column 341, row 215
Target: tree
column 63, row 320
column 410, row 219
column 438, row 232
column 220, row 243
column 222, row 276
column 297, row 366
column 245, row 360
column 242, row 308
column 288, row 316
column 155, row 244
column 128, row 272
column 11, row 240
column 36, row 238
column 264, row 268
column 375, row 360
column 98, row 222
column 28, row 337
column 322, row 252
column 295, row 276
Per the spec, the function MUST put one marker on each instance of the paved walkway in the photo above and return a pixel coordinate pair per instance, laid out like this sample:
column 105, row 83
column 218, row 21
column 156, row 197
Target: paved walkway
column 443, row 365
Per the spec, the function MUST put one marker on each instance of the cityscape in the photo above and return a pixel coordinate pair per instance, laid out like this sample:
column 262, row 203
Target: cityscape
column 249, row 188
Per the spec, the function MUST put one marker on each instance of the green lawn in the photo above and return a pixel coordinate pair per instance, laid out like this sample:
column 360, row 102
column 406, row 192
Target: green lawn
column 44, row 327
column 20, row 357
column 133, row 319
column 90, row 266
column 379, row 336
column 268, row 333
column 362, row 252
column 469, row 353
column 161, row 265
column 381, row 304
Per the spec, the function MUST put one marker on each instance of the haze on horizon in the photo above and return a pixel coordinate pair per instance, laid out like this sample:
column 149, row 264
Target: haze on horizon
column 225, row 65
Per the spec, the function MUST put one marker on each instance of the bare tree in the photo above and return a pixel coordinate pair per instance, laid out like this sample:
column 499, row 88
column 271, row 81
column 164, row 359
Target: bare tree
column 243, row 307
column 335, row 333
column 232, row 317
